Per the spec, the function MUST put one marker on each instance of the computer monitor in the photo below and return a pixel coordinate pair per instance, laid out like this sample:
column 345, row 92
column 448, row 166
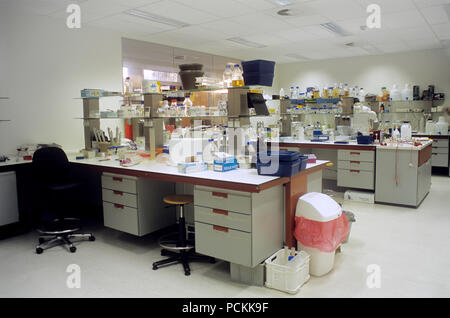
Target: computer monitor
column 257, row 101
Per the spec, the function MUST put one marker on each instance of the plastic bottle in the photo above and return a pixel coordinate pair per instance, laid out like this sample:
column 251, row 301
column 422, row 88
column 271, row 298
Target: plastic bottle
column 187, row 103
column 281, row 93
column 361, row 95
column 325, row 92
column 405, row 131
column 297, row 92
column 292, row 93
column 407, row 93
column 316, row 92
column 395, row 134
column 335, row 91
column 341, row 90
column 395, row 94
column 227, row 75
column 346, row 91
column 173, row 108
column 237, row 78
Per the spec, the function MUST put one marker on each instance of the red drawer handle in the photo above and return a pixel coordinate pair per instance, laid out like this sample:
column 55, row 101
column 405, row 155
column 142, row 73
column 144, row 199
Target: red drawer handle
column 358, row 171
column 283, row 149
column 117, row 179
column 118, row 192
column 220, row 228
column 357, row 162
column 119, row 206
column 220, row 194
column 355, row 153
column 217, row 211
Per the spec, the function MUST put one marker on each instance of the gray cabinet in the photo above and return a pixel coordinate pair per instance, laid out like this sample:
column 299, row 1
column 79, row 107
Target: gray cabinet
column 134, row 205
column 439, row 157
column 239, row 227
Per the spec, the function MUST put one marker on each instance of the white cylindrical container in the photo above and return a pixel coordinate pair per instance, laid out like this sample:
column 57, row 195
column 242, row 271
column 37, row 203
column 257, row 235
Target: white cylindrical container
column 405, row 131
column 441, row 127
column 395, row 93
column 318, row 207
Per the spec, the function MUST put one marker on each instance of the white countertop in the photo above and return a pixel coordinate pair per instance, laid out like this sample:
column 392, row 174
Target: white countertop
column 291, row 140
column 245, row 176
column 405, row 146
column 13, row 161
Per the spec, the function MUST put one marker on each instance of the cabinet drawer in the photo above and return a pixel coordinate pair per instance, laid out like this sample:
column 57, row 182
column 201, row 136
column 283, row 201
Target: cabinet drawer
column 120, row 197
column 223, row 199
column 233, row 220
column 440, row 150
column 439, row 160
column 356, row 155
column 119, row 182
column 223, row 243
column 355, row 165
column 120, row 217
column 440, row 143
column 356, row 179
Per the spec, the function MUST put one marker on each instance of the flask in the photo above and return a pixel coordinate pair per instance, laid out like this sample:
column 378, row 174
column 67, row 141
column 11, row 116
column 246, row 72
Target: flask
column 227, row 75
column 237, row 78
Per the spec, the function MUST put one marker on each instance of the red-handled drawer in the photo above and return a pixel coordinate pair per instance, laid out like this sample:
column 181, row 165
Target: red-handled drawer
column 233, row 220
column 223, row 199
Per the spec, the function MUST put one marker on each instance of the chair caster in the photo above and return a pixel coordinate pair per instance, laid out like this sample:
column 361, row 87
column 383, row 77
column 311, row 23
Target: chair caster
column 155, row 267
column 92, row 238
column 41, row 240
column 73, row 249
column 187, row 273
column 39, row 250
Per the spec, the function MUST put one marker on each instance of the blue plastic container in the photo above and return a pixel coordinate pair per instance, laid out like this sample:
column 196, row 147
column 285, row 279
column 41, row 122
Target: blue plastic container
column 258, row 66
column 364, row 140
column 304, row 161
column 285, row 168
column 264, row 79
column 282, row 155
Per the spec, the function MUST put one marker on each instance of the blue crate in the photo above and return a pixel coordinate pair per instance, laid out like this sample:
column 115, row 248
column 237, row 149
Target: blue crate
column 258, row 66
column 264, row 79
column 282, row 155
column 304, row 161
column 364, row 140
column 285, row 168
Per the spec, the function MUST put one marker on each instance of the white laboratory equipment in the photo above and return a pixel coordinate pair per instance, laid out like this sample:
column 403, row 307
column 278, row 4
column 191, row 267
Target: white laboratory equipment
column 319, row 208
column 9, row 209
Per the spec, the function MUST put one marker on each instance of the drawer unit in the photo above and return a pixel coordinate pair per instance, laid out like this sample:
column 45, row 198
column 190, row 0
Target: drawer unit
column 439, row 160
column 119, row 183
column 356, row 179
column 229, row 200
column 224, row 243
column 238, row 227
column 440, row 150
column 134, row 205
column 121, row 218
column 120, row 197
column 440, row 143
column 356, row 155
column 356, row 165
column 237, row 221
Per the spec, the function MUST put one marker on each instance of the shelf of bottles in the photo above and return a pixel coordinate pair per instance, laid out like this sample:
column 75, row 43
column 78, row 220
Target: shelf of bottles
column 315, row 101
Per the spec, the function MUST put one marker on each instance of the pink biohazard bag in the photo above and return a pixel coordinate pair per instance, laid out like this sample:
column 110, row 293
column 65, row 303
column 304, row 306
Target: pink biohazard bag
column 325, row 236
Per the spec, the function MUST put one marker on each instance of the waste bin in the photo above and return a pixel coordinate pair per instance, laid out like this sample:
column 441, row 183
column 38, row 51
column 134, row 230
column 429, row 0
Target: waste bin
column 351, row 218
column 320, row 228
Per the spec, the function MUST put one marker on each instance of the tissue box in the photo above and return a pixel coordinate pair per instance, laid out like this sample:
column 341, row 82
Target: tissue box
column 189, row 167
column 223, row 167
column 220, row 158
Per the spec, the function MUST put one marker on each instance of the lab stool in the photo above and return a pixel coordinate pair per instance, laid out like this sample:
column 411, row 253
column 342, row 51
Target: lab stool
column 179, row 250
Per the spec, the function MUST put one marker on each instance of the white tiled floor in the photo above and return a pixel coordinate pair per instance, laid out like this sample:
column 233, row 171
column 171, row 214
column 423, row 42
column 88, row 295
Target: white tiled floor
column 411, row 246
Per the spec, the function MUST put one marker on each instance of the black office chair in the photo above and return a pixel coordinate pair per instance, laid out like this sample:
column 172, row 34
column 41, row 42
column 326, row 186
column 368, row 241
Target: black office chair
column 51, row 175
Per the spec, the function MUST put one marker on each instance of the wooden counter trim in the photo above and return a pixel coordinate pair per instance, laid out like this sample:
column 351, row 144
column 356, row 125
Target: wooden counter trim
column 328, row 146
column 434, row 136
column 425, row 154
column 189, row 180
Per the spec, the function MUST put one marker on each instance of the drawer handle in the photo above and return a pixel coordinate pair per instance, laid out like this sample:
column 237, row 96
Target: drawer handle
column 118, row 192
column 117, row 179
column 356, row 162
column 357, row 171
column 283, row 149
column 223, row 212
column 119, row 206
column 355, row 153
column 220, row 195
column 220, row 228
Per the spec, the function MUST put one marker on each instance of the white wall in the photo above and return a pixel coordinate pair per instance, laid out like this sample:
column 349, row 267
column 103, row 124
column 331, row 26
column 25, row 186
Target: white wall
column 43, row 66
column 372, row 72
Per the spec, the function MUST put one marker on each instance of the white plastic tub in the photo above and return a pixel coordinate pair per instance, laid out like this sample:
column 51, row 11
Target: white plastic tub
column 287, row 276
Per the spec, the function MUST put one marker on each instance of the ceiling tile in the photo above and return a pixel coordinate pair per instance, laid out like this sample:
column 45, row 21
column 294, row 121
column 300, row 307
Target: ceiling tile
column 437, row 14
column 390, row 6
column 42, row 7
column 128, row 23
column 219, row 8
column 415, row 34
column 93, row 10
column 393, row 47
column 133, row 3
column 176, row 11
column 406, row 19
column 261, row 21
column 230, row 28
column 430, row 3
column 335, row 10
column 442, row 30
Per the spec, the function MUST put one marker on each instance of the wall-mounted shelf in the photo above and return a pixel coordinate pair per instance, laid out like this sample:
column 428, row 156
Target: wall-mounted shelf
column 315, row 101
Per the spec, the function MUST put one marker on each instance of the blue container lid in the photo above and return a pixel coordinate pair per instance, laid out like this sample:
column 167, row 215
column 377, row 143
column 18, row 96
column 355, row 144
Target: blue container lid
column 282, row 155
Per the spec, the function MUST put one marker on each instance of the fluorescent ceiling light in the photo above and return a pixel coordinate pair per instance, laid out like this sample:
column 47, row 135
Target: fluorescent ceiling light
column 246, row 43
column 282, row 2
column 296, row 56
column 156, row 18
column 334, row 28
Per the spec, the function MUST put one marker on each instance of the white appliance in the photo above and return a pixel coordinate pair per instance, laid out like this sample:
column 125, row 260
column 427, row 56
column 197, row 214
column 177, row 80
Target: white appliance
column 318, row 207
column 9, row 209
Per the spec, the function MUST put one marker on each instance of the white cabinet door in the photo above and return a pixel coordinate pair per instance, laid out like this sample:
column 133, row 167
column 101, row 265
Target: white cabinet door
column 9, row 209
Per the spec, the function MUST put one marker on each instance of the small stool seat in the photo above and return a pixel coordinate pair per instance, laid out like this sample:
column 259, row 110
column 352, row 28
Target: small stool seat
column 178, row 199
